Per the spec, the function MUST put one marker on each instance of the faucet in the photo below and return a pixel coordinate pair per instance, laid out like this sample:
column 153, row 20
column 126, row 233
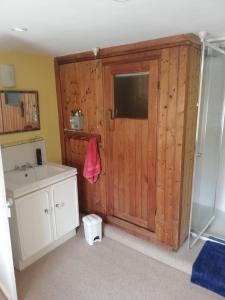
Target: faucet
column 28, row 165
column 23, row 167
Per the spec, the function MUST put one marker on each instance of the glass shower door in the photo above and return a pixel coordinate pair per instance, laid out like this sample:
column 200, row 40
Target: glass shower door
column 208, row 144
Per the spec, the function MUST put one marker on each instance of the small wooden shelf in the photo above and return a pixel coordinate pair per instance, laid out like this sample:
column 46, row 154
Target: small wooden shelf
column 81, row 135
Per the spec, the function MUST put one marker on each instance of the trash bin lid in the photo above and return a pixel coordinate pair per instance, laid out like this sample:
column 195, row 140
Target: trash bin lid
column 91, row 219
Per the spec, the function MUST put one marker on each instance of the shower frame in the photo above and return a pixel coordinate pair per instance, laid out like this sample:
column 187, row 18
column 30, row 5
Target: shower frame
column 210, row 43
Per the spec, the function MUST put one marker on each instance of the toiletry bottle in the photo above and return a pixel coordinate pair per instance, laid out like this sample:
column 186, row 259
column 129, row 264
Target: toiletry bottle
column 72, row 120
column 39, row 156
column 81, row 119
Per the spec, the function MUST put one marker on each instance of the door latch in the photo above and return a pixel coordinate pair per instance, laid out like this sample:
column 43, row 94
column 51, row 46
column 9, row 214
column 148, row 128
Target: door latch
column 199, row 154
column 60, row 205
column 9, row 203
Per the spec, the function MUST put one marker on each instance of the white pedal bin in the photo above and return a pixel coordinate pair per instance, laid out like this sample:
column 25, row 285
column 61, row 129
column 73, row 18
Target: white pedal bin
column 92, row 228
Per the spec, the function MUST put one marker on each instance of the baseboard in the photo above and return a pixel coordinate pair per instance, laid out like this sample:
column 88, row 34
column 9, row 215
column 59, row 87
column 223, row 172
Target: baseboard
column 131, row 228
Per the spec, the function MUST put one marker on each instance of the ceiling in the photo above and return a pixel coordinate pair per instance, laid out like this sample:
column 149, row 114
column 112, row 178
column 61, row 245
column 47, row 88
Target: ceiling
column 69, row 26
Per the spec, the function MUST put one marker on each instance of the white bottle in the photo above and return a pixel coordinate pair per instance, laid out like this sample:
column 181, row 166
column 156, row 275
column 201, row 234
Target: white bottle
column 72, row 125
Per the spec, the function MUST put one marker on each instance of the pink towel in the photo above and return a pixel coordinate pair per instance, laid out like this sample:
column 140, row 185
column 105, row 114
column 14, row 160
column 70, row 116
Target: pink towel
column 92, row 164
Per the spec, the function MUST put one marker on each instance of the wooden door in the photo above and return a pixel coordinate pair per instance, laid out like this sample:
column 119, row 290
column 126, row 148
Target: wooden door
column 131, row 149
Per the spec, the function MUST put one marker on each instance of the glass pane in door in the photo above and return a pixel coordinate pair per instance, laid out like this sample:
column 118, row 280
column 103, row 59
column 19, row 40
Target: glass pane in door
column 131, row 95
column 209, row 143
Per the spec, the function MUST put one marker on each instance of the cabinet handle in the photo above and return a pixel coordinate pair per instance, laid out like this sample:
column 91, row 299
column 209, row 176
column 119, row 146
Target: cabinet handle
column 46, row 211
column 59, row 205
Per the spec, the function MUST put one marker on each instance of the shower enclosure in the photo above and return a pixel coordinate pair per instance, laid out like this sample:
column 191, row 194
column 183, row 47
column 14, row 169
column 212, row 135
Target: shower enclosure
column 209, row 142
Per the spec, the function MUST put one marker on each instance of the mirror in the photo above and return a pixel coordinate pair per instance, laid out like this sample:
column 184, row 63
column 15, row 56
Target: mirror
column 19, row 111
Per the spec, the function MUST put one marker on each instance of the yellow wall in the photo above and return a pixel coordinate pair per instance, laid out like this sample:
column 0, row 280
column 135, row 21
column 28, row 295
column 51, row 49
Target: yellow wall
column 36, row 72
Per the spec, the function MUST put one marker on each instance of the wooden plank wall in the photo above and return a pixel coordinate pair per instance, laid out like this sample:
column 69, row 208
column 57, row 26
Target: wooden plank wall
column 189, row 140
column 171, row 126
column 81, row 87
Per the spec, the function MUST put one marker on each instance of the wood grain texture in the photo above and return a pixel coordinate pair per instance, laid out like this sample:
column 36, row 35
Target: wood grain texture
column 136, row 175
column 88, row 193
column 152, row 140
column 80, row 135
column 161, row 144
column 180, row 138
column 189, row 139
column 129, row 227
column 81, row 88
column 156, row 44
column 170, row 144
column 60, row 105
column 166, row 144
column 173, row 206
column 131, row 145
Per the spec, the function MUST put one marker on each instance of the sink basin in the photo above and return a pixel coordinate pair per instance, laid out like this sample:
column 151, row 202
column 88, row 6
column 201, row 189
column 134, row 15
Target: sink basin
column 21, row 182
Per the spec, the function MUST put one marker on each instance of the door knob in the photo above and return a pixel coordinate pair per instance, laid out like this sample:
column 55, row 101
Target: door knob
column 110, row 114
column 111, row 119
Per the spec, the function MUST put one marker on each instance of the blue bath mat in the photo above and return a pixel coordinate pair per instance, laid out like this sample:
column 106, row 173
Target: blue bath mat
column 209, row 268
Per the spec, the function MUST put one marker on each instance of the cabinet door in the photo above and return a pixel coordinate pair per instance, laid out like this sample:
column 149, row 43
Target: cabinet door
column 64, row 195
column 34, row 222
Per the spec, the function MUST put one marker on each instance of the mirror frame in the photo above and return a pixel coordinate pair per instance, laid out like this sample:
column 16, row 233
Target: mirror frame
column 35, row 92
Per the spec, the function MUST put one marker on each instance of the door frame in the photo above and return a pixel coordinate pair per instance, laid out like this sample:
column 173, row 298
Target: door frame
column 7, row 274
column 154, row 63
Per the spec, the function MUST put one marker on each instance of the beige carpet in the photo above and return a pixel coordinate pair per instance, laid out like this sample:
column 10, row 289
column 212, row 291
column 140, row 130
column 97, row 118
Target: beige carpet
column 107, row 270
column 181, row 260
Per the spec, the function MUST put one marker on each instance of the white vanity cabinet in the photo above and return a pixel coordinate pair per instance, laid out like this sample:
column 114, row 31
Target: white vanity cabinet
column 42, row 220
column 65, row 208
column 34, row 222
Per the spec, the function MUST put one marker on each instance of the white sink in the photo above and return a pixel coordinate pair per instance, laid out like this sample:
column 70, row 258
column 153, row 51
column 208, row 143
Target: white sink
column 19, row 183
